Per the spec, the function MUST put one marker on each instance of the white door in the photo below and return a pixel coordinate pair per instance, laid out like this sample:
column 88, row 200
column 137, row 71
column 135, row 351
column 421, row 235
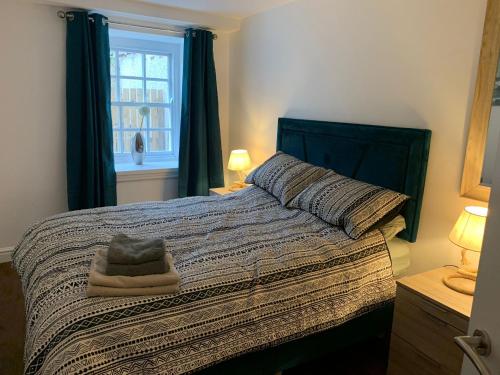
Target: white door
column 486, row 306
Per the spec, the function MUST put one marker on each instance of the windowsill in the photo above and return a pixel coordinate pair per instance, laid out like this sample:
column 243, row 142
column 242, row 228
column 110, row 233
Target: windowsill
column 146, row 171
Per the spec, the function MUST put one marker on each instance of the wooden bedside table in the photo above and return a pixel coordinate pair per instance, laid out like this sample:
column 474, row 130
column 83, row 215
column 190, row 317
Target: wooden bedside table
column 220, row 191
column 427, row 316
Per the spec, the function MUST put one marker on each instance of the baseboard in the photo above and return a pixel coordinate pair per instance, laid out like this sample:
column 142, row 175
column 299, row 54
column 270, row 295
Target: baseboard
column 6, row 254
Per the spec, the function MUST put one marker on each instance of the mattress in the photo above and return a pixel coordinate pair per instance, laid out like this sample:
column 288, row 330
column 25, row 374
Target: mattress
column 253, row 275
column 400, row 256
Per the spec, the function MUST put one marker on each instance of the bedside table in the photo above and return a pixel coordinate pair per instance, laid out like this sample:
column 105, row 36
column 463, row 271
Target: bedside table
column 220, row 191
column 427, row 316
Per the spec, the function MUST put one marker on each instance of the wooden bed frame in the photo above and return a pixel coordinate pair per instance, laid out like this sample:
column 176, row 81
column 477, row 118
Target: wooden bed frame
column 391, row 157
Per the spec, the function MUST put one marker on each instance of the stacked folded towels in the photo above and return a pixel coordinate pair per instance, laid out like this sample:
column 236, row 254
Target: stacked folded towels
column 132, row 267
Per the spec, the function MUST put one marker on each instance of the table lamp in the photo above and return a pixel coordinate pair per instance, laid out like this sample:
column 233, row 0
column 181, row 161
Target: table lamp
column 468, row 234
column 239, row 161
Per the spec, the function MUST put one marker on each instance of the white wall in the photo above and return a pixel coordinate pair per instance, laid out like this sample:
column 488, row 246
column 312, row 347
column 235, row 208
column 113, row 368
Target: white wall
column 221, row 55
column 32, row 108
column 400, row 63
column 33, row 122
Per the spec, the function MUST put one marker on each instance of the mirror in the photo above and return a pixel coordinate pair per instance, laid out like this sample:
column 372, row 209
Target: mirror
column 493, row 134
column 484, row 130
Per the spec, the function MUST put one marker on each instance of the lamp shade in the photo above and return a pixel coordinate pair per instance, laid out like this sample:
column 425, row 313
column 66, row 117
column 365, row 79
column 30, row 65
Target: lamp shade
column 469, row 229
column 239, row 160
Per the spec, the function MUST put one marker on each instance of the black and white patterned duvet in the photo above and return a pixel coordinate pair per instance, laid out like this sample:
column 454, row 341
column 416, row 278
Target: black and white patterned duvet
column 253, row 274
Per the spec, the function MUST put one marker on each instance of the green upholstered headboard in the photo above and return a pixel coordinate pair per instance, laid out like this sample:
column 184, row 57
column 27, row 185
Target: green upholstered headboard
column 395, row 158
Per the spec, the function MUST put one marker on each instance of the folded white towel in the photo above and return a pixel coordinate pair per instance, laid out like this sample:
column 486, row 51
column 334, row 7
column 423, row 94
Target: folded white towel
column 105, row 291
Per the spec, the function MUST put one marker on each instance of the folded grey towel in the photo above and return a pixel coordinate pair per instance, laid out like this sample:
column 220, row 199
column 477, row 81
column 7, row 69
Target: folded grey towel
column 126, row 250
column 98, row 277
column 148, row 268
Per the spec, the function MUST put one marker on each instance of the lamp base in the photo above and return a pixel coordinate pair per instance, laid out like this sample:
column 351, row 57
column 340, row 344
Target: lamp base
column 237, row 186
column 463, row 281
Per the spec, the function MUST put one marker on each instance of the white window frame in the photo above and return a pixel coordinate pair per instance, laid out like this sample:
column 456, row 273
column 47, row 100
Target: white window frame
column 174, row 52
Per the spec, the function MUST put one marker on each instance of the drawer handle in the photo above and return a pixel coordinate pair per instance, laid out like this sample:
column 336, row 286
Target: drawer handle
column 435, row 318
column 435, row 307
column 428, row 359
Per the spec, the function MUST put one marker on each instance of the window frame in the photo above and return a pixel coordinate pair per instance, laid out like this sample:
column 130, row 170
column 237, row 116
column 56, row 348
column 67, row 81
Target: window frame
column 142, row 43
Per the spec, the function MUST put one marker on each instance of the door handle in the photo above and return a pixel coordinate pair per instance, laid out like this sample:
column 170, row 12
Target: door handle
column 476, row 346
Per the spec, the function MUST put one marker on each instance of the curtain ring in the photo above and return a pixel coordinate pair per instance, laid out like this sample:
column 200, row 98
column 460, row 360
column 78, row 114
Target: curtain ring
column 193, row 33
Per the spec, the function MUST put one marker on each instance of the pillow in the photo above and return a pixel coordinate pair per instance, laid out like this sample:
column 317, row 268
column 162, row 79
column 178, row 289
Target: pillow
column 284, row 176
column 354, row 205
column 392, row 228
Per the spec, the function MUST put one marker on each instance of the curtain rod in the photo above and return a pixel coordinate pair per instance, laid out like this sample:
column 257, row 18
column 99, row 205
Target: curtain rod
column 64, row 15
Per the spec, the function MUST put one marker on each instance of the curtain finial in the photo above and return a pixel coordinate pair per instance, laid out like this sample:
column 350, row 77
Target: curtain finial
column 65, row 15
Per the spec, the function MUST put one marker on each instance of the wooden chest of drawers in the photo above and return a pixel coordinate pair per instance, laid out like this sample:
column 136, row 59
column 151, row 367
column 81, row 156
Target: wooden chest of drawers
column 427, row 316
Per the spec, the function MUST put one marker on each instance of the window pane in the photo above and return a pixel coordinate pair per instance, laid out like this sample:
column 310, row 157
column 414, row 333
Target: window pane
column 132, row 119
column 157, row 66
column 113, row 89
column 160, row 118
column 112, row 57
column 157, row 91
column 131, row 90
column 130, row 64
column 116, row 141
column 160, row 141
column 127, row 140
column 115, row 116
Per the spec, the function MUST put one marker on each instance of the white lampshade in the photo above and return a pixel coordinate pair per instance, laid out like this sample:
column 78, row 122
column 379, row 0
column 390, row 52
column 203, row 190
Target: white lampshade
column 469, row 229
column 239, row 160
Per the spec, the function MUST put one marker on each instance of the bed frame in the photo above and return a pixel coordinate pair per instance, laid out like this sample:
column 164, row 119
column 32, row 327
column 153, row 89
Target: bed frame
column 395, row 158
column 392, row 157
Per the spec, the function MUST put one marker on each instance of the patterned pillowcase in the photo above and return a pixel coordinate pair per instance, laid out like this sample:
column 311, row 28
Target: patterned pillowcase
column 284, row 176
column 354, row 205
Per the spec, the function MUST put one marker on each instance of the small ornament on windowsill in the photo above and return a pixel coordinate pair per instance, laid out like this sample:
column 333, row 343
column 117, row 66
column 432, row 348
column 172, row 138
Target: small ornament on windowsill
column 138, row 141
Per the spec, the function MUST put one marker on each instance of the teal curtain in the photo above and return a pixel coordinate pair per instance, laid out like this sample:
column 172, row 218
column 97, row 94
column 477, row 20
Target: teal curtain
column 91, row 177
column 200, row 154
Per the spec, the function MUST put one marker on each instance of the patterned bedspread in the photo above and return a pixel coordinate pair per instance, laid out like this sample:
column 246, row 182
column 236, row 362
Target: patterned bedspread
column 254, row 274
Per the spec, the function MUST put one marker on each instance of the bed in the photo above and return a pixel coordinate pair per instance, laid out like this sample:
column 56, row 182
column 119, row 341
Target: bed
column 263, row 287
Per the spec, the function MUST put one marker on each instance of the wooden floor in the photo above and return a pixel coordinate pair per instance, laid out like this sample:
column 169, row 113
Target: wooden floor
column 11, row 321
column 366, row 359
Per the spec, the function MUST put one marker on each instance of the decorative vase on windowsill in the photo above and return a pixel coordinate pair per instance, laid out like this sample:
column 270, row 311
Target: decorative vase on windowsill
column 138, row 141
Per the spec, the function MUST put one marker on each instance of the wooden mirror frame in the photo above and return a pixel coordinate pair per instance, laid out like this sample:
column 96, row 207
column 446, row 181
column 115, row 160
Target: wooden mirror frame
column 481, row 107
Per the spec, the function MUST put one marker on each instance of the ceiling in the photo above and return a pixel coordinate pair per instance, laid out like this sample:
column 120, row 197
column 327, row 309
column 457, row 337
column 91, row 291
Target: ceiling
column 228, row 8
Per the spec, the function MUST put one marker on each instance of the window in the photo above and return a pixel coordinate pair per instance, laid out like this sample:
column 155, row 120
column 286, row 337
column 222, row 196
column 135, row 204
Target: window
column 145, row 71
